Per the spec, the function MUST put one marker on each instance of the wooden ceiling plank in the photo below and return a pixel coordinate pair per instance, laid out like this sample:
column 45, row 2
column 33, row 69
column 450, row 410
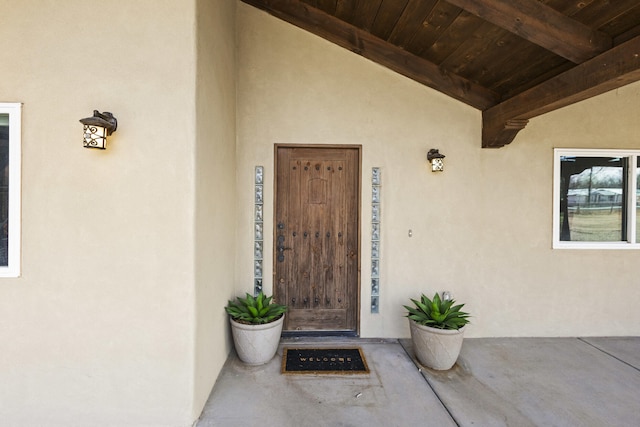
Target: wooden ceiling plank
column 388, row 14
column 377, row 50
column 346, row 10
column 526, row 82
column 598, row 14
column 452, row 38
column 515, row 60
column 494, row 59
column 410, row 21
column 633, row 32
column 615, row 68
column 367, row 11
column 570, row 9
column 624, row 27
column 542, row 25
column 528, row 78
column 436, row 23
column 523, row 61
column 328, row 6
column 474, row 46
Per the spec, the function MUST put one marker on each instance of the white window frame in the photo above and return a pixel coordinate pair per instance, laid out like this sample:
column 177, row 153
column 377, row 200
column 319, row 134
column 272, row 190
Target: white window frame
column 630, row 243
column 14, row 110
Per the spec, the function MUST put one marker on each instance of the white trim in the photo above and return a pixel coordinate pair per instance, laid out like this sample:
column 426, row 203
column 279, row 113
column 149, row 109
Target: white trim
column 556, row 198
column 15, row 188
column 631, row 198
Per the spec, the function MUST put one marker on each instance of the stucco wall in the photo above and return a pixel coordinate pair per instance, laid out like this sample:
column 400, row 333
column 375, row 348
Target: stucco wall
column 481, row 229
column 215, row 189
column 128, row 254
column 99, row 330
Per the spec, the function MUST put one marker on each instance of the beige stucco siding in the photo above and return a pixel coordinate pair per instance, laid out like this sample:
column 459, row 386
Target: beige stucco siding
column 99, row 330
column 215, row 188
column 481, row 229
column 130, row 254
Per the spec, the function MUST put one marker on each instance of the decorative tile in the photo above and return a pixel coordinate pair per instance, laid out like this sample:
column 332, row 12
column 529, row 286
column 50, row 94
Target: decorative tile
column 375, row 287
column 258, row 237
column 376, row 196
column 375, row 212
column 375, row 249
column 259, row 194
column 375, row 268
column 375, row 304
column 375, row 231
column 375, row 176
column 257, row 269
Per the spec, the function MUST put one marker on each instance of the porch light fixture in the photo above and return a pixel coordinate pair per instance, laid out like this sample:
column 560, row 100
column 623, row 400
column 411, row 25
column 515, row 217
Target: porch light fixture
column 97, row 128
column 436, row 159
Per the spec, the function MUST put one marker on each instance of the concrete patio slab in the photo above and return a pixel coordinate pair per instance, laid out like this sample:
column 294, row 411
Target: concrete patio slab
column 497, row 382
column 541, row 382
column 626, row 349
column 392, row 394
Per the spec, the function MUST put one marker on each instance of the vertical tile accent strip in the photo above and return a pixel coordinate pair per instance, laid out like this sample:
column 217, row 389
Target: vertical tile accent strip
column 258, row 243
column 376, row 184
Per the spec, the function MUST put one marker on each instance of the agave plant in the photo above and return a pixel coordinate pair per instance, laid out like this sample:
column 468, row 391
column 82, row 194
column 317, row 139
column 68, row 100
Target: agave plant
column 255, row 310
column 437, row 313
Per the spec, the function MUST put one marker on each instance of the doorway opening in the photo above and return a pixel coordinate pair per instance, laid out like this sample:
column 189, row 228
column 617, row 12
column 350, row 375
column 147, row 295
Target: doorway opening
column 317, row 238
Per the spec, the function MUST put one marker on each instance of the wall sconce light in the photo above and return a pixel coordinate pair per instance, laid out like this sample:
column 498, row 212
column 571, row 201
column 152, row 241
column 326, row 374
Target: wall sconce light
column 97, row 128
column 436, row 159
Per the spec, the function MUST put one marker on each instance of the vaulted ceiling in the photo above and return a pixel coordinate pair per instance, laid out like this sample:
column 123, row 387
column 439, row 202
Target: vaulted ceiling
column 512, row 59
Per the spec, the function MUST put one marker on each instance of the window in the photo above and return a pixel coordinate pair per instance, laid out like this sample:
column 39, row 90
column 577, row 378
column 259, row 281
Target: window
column 10, row 123
column 596, row 199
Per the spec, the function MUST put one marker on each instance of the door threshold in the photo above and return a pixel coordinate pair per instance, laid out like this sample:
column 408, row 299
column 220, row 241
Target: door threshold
column 319, row 334
column 332, row 340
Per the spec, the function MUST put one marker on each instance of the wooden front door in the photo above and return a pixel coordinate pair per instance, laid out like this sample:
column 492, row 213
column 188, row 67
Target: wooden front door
column 316, row 229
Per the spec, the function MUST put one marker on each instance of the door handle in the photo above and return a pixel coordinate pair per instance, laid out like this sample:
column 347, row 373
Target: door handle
column 281, row 248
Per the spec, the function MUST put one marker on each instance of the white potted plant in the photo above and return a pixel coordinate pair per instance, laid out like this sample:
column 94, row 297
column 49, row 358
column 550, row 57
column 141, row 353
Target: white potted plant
column 437, row 331
column 256, row 326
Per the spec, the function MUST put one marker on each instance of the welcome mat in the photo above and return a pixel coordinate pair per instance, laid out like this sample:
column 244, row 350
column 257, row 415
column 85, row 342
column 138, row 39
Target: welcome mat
column 324, row 361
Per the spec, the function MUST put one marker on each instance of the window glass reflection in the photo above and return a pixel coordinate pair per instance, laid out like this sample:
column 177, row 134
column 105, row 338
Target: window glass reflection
column 638, row 201
column 4, row 190
column 592, row 199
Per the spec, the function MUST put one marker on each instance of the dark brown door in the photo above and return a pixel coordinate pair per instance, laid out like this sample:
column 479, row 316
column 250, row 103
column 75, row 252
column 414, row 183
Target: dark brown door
column 316, row 237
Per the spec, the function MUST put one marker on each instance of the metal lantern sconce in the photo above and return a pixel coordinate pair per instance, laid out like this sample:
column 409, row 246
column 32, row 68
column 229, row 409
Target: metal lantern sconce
column 97, row 128
column 436, row 159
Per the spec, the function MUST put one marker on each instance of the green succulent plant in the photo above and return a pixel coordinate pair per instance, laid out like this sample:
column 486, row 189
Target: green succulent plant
column 255, row 310
column 437, row 313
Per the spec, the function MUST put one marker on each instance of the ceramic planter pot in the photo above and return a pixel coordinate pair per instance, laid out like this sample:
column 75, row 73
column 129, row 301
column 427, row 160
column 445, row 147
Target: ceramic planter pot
column 436, row 348
column 256, row 344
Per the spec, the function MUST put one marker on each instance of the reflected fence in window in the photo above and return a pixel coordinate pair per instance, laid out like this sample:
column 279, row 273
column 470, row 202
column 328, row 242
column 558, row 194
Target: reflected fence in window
column 595, row 197
column 10, row 198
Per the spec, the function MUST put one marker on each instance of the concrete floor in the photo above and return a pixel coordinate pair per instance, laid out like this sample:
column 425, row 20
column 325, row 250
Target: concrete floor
column 496, row 382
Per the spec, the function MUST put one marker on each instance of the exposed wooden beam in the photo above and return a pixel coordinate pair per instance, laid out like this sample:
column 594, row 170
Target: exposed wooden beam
column 542, row 25
column 369, row 46
column 613, row 69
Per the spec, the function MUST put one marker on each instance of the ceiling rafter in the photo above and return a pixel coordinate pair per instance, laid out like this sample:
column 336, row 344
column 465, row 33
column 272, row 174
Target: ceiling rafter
column 610, row 70
column 541, row 25
column 509, row 82
column 366, row 44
